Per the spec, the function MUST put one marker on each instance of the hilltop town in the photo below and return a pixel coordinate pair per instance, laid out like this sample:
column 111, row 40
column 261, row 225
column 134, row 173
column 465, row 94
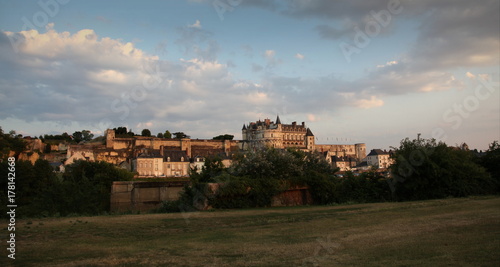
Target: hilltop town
column 150, row 156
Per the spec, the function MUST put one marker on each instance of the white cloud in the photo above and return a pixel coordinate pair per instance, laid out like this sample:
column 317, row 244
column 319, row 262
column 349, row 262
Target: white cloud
column 108, row 76
column 98, row 82
column 312, row 118
column 470, row 75
column 373, row 102
column 272, row 61
column 196, row 68
column 299, row 56
column 269, row 54
column 390, row 63
column 197, row 25
column 258, row 98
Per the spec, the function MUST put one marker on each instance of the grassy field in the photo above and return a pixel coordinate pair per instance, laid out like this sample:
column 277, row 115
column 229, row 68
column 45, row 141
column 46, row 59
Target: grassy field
column 449, row 232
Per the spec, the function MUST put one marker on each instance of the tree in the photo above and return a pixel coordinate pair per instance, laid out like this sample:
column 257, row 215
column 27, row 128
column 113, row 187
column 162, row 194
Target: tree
column 212, row 168
column 66, row 136
column 159, row 135
column 224, row 137
column 8, row 143
column 167, row 134
column 47, row 149
column 120, row 131
column 180, row 135
column 490, row 160
column 424, row 169
column 87, row 135
column 87, row 186
column 77, row 136
column 146, row 132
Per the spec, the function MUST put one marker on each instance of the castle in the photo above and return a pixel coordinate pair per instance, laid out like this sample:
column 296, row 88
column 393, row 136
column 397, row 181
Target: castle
column 152, row 156
column 267, row 133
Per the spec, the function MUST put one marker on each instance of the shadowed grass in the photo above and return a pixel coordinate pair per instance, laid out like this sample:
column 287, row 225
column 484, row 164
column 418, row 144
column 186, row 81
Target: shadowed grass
column 450, row 232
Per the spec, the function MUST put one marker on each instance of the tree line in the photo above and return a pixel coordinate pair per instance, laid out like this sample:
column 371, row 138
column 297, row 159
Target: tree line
column 423, row 169
column 83, row 189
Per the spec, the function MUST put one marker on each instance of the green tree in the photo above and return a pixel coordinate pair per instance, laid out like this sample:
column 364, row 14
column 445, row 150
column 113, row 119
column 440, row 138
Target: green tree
column 180, row 135
column 146, row 132
column 167, row 135
column 224, row 137
column 491, row 161
column 424, row 169
column 10, row 142
column 84, row 188
column 78, row 136
column 87, row 135
column 65, row 136
column 87, row 186
column 120, row 131
column 159, row 135
column 47, row 149
column 212, row 168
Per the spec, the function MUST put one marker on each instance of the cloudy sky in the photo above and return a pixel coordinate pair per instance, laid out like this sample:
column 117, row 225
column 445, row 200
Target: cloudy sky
column 355, row 71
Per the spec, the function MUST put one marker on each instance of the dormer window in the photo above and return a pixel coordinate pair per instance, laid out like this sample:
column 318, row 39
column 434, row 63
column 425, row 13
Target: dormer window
column 168, row 159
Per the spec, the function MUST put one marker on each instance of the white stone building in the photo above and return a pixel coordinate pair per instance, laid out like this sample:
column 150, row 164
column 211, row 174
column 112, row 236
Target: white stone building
column 379, row 158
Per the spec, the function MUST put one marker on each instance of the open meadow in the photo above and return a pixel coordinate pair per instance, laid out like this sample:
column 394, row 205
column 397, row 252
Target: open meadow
column 448, row 232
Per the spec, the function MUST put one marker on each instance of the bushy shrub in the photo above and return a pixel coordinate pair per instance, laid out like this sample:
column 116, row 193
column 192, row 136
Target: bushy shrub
column 169, row 207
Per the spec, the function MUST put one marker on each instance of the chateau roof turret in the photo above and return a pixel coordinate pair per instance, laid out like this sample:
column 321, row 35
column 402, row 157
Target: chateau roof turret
column 244, row 127
column 278, row 121
column 309, row 133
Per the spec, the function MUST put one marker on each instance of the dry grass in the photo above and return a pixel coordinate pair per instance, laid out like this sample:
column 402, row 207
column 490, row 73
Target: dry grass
column 451, row 232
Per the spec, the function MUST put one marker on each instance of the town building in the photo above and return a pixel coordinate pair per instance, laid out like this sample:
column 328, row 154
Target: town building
column 162, row 163
column 344, row 163
column 379, row 158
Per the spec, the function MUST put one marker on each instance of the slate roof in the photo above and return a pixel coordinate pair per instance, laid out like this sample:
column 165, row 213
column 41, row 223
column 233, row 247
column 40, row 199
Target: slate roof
column 309, row 133
column 376, row 152
column 175, row 156
column 149, row 155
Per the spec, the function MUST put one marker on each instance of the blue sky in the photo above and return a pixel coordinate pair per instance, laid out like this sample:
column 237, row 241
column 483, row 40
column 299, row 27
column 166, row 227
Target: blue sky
column 354, row 71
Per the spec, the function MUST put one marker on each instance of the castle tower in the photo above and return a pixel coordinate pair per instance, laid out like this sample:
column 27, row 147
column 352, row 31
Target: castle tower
column 310, row 140
column 244, row 132
column 360, row 151
column 110, row 137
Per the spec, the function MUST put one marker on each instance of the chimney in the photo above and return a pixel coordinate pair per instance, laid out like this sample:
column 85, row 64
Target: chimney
column 303, row 124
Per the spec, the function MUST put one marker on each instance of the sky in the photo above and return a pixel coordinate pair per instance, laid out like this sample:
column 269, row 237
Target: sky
column 354, row 71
